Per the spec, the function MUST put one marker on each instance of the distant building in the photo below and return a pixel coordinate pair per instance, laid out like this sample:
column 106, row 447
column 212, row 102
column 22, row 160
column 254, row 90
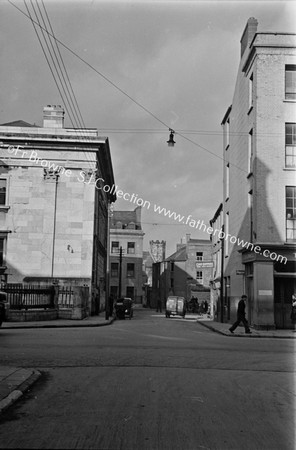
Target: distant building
column 216, row 282
column 126, row 273
column 53, row 220
column 147, row 278
column 186, row 273
column 259, row 204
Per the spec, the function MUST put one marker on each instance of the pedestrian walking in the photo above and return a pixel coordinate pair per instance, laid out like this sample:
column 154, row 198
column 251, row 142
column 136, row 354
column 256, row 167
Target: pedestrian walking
column 241, row 316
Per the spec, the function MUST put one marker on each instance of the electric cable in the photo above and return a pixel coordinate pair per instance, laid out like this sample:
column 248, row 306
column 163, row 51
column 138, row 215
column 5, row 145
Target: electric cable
column 127, row 95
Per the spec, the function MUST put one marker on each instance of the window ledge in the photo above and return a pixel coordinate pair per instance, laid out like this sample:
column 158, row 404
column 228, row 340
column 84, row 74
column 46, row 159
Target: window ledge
column 290, row 168
column 4, row 208
column 289, row 100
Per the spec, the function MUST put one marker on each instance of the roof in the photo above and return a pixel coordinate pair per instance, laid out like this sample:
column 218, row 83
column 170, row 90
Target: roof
column 199, row 241
column 18, row 123
column 179, row 255
column 126, row 218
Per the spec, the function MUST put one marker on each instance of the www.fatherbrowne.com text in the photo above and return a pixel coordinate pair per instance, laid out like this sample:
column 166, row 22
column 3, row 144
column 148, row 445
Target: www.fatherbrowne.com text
column 136, row 200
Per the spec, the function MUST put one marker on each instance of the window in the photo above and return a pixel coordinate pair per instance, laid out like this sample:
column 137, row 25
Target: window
column 290, row 161
column 290, row 82
column 199, row 276
column 114, row 269
column 1, row 252
column 290, row 213
column 114, row 247
column 199, row 256
column 3, row 191
column 226, row 232
column 130, row 292
column 250, row 152
column 130, row 247
column 251, row 92
column 227, row 133
column 130, row 270
column 227, row 182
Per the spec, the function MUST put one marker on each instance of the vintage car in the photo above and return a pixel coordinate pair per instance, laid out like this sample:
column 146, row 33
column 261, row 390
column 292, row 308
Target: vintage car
column 175, row 306
column 124, row 308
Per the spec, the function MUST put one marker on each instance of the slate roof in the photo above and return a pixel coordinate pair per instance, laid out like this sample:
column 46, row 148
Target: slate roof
column 18, row 123
column 179, row 255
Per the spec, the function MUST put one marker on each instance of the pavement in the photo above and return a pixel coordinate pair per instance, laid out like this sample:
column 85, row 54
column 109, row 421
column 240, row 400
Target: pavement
column 15, row 381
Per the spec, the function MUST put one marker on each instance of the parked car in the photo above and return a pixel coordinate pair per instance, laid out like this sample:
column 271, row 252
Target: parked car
column 3, row 301
column 175, row 306
column 124, row 308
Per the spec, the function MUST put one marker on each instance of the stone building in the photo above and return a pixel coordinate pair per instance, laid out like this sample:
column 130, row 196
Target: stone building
column 53, row 211
column 126, row 255
column 259, row 204
column 186, row 273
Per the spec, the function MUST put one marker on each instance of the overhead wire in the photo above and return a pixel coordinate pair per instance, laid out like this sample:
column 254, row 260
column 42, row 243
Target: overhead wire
column 51, row 57
column 125, row 93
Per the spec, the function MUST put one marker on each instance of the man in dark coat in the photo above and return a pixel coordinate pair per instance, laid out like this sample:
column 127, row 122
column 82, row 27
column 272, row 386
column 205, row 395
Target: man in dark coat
column 241, row 316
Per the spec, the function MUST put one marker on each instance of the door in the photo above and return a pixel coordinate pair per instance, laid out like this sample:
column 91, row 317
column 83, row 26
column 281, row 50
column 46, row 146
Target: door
column 130, row 292
column 283, row 290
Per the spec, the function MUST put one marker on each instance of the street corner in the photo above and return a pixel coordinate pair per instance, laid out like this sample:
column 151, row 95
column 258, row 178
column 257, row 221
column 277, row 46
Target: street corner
column 14, row 385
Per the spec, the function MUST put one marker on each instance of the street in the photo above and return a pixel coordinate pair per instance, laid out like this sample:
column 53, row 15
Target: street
column 150, row 383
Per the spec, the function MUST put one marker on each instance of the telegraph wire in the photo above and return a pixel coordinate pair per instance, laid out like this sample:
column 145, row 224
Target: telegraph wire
column 64, row 67
column 72, row 117
column 123, row 92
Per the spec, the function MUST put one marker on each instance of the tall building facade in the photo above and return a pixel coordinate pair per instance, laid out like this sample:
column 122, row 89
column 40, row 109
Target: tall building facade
column 126, row 255
column 259, row 204
column 53, row 212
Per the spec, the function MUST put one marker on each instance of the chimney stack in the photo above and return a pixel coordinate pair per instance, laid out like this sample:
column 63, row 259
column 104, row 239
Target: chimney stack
column 53, row 116
column 248, row 34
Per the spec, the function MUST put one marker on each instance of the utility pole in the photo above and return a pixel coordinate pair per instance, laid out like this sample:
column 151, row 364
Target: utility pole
column 222, row 280
column 120, row 272
column 107, row 286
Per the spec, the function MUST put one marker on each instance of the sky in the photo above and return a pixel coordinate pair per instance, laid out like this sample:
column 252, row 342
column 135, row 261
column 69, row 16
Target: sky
column 162, row 64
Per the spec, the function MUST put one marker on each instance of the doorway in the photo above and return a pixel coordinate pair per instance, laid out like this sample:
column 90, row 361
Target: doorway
column 283, row 290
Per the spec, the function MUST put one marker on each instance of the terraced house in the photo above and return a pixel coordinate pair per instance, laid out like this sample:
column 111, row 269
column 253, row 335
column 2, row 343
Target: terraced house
column 259, row 204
